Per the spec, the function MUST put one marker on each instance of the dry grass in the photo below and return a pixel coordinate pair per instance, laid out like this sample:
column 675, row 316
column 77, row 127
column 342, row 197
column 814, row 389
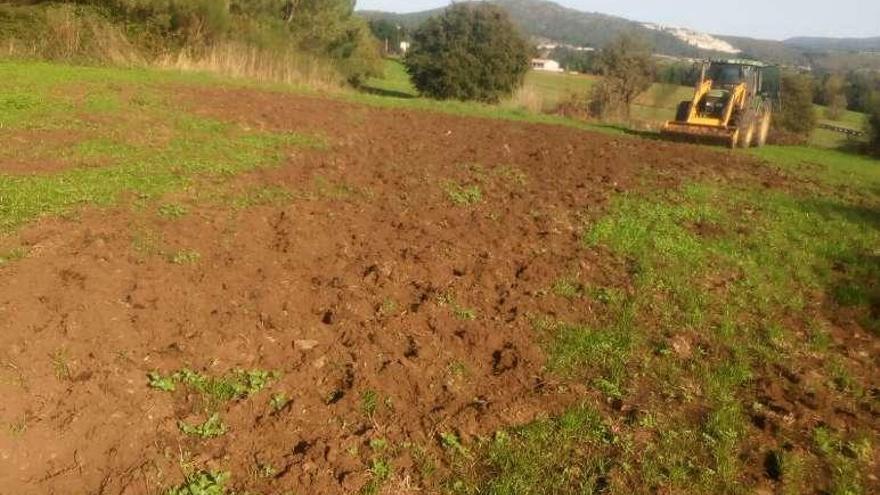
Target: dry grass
column 527, row 98
column 64, row 35
column 241, row 61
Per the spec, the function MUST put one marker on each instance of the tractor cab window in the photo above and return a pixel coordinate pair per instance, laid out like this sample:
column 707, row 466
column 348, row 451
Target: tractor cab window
column 726, row 75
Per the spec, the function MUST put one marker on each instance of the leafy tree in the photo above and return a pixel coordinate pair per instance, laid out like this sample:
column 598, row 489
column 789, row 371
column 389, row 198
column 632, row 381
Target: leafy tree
column 628, row 70
column 470, row 52
column 797, row 116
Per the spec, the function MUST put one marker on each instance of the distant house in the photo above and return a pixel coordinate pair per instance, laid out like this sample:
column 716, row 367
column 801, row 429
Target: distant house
column 546, row 65
column 404, row 47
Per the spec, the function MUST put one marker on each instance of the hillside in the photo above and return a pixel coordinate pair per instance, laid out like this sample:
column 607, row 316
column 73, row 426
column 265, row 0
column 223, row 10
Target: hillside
column 835, row 44
column 545, row 19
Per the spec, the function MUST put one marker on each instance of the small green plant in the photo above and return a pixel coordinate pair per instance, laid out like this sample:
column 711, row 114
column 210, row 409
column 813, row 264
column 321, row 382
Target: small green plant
column 369, row 402
column 465, row 314
column 202, row 483
column 213, row 427
column 388, row 307
column 463, row 195
column 265, row 470
column 457, row 369
column 451, row 442
column 159, row 382
column 172, row 211
column 380, row 472
column 185, row 257
column 378, row 444
column 279, row 401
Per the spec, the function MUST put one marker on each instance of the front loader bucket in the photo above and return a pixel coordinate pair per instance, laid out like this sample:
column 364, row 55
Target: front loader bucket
column 698, row 133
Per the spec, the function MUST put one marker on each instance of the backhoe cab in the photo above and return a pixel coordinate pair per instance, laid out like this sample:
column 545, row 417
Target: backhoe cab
column 732, row 104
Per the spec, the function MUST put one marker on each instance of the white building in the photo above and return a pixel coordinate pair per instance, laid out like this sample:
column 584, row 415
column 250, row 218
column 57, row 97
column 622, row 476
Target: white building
column 404, row 47
column 546, row 65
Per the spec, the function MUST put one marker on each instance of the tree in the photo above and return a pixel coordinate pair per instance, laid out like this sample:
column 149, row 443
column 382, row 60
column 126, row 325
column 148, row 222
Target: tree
column 628, row 70
column 833, row 97
column 797, row 116
column 470, row 52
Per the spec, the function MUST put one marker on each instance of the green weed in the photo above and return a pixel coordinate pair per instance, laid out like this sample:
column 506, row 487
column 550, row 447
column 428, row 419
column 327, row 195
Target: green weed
column 380, row 472
column 461, row 195
column 369, row 402
column 202, row 483
column 213, row 427
column 163, row 383
column 279, row 401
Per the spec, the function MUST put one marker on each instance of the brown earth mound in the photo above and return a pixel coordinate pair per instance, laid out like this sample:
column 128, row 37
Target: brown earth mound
column 388, row 310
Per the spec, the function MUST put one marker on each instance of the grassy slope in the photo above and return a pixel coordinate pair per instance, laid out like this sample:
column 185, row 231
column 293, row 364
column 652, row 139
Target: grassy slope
column 668, row 337
column 169, row 148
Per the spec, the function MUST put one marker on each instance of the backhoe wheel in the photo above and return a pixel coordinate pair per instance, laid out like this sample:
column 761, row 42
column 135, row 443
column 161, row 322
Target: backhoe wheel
column 764, row 129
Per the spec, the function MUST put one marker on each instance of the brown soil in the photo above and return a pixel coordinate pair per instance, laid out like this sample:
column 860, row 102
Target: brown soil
column 338, row 289
column 17, row 157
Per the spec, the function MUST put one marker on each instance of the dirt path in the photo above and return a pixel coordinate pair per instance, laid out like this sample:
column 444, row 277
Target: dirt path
column 389, row 311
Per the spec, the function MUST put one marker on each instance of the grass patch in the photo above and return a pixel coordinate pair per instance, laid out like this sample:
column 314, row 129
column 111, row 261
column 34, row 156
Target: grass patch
column 177, row 148
column 563, row 455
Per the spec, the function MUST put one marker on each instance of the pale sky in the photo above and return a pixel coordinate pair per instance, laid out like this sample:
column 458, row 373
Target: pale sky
column 768, row 19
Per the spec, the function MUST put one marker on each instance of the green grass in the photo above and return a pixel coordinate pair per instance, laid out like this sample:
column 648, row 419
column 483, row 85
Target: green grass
column 563, row 455
column 725, row 265
column 175, row 149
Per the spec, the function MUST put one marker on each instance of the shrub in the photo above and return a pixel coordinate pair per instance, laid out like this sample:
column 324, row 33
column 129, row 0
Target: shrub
column 797, row 116
column 470, row 52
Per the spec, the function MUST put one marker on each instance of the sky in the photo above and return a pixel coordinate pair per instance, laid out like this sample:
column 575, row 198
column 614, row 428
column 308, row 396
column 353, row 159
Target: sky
column 766, row 19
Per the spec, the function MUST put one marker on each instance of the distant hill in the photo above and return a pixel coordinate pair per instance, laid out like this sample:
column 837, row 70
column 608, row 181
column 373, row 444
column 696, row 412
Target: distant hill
column 543, row 19
column 835, row 44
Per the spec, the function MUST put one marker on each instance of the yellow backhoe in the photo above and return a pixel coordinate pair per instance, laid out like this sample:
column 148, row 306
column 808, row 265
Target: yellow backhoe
column 732, row 105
